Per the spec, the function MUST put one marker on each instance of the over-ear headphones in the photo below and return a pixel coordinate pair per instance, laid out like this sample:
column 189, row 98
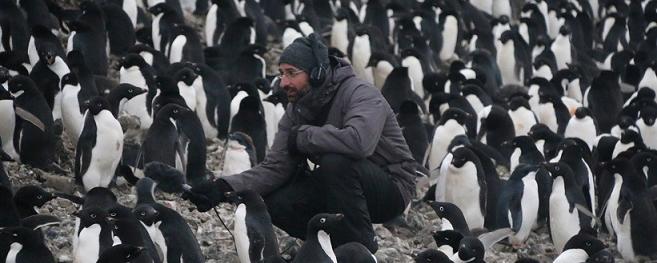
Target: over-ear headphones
column 317, row 74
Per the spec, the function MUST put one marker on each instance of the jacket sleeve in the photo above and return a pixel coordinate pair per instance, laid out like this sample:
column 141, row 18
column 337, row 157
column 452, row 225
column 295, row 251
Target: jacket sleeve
column 365, row 114
column 273, row 171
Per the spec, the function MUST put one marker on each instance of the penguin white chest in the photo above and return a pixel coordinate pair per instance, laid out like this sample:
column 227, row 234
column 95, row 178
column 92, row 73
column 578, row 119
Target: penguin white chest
column 106, row 154
column 189, row 94
column 463, row 191
column 648, row 134
column 8, row 119
column 88, row 247
column 583, row 129
column 158, row 238
column 547, row 116
column 442, row 138
column 572, row 255
column 523, row 120
column 14, row 248
column 176, row 54
column 564, row 223
column 241, row 235
column 211, row 24
column 325, row 242
column 529, row 204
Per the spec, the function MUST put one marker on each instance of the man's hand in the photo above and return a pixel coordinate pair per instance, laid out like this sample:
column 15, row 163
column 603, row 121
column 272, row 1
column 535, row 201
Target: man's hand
column 208, row 194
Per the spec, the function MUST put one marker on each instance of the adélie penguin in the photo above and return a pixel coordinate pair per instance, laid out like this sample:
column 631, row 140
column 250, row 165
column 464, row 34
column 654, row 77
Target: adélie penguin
column 94, row 235
column 122, row 253
column 580, row 248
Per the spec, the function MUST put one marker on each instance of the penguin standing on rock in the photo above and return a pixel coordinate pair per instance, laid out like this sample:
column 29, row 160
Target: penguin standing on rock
column 254, row 233
column 36, row 139
column 94, row 235
column 89, row 36
column 100, row 146
column 317, row 247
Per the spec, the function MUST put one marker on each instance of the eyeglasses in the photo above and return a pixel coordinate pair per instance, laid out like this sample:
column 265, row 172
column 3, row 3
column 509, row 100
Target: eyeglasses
column 289, row 73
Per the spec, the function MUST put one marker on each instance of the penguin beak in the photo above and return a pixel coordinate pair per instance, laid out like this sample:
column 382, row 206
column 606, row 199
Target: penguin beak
column 5, row 157
column 76, row 214
column 50, row 59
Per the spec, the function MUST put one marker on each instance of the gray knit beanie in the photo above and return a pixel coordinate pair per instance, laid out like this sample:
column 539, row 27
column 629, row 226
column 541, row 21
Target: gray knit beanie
column 300, row 53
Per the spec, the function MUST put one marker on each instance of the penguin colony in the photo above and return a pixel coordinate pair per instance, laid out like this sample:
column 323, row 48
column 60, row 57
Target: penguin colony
column 534, row 116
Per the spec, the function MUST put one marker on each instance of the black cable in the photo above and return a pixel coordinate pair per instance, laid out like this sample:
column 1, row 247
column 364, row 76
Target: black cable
column 225, row 226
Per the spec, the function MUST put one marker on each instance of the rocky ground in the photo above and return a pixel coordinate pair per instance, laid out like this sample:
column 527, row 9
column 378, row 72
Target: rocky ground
column 396, row 244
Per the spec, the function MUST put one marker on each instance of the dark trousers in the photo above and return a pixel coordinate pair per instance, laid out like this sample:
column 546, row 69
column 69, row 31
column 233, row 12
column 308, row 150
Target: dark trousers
column 359, row 189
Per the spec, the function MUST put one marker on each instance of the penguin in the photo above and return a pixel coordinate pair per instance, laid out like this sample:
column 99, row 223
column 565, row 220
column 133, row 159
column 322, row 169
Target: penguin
column 431, row 255
column 47, row 75
column 604, row 99
column 451, row 34
column 566, row 194
column 521, row 115
column 99, row 149
column 185, row 45
column 213, row 102
column 513, row 58
column 317, row 247
column 291, row 32
column 524, row 151
column 120, row 28
column 361, row 50
column 582, row 126
column 340, row 30
column 475, row 95
column 562, row 48
column 154, row 58
column 649, row 78
column 447, row 241
column 8, row 117
column 192, row 147
column 495, row 127
column 15, row 28
column 239, row 34
column 164, row 17
column 186, row 81
column 643, row 162
column 473, row 249
column 413, row 129
column 126, row 230
column 121, row 253
column 250, row 120
column 30, row 197
column 518, row 204
column 89, row 36
column 398, row 87
column 250, row 64
column 35, row 140
column 94, row 235
column 545, row 140
column 42, row 38
column 647, row 128
column 570, row 81
column 168, row 230
column 25, row 245
column 628, row 209
column 240, row 154
column 467, row 186
column 452, row 124
column 219, row 16
column 552, row 111
column 580, row 248
column 135, row 71
column 254, row 233
column 119, row 95
column 161, row 140
column 72, row 107
column 451, row 217
column 411, row 60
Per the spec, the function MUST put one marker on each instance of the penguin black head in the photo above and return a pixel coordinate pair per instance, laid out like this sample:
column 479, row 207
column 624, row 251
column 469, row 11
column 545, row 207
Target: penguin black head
column 122, row 253
column 564, row 31
column 434, row 82
column 582, row 112
column 586, row 242
column 19, row 85
column 461, row 156
column 324, row 222
column 451, row 238
column 508, row 35
column 119, row 212
column 91, row 215
column 97, row 104
column 69, row 79
column 262, row 84
column 516, row 102
column 21, row 235
column 559, row 169
column 172, row 110
column 540, row 131
column 645, row 159
column 250, row 104
column 342, row 13
column 645, row 93
column 147, row 214
column 186, row 75
column 522, row 142
column 167, row 85
column 648, row 115
column 48, row 55
column 160, row 8
column 102, row 194
column 456, row 114
column 277, row 97
column 127, row 91
column 409, row 107
column 431, row 256
column 444, row 209
column 32, row 196
column 168, row 178
column 75, row 59
column 131, row 60
column 4, row 74
column 471, row 249
column 630, row 135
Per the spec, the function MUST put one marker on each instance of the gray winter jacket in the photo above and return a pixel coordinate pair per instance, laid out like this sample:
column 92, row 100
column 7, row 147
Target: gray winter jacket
column 360, row 124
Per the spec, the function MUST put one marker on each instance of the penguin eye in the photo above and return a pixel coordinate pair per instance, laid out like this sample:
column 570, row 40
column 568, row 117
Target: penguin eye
column 322, row 220
column 112, row 214
column 557, row 168
column 175, row 111
column 39, row 197
column 588, row 243
column 142, row 214
column 441, row 209
column 116, row 227
column 92, row 215
column 131, row 91
column 649, row 160
column 15, row 234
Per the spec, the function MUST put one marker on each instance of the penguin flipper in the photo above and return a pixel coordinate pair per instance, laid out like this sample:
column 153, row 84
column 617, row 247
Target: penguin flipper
column 37, row 221
column 29, row 117
column 257, row 244
column 83, row 154
column 624, row 205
